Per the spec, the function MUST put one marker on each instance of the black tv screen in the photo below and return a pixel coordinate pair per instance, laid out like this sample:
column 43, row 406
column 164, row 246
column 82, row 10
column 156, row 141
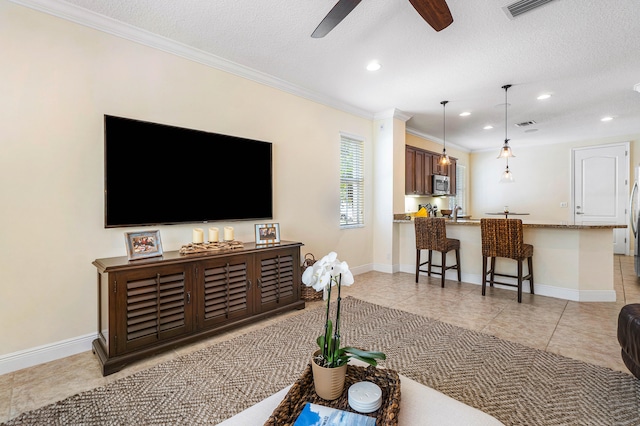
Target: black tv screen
column 158, row 174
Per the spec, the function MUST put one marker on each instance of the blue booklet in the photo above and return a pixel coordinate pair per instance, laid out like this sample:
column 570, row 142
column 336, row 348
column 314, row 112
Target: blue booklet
column 319, row 415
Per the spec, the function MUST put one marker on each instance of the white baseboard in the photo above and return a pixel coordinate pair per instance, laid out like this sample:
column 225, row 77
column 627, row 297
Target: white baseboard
column 28, row 358
column 385, row 267
column 361, row 269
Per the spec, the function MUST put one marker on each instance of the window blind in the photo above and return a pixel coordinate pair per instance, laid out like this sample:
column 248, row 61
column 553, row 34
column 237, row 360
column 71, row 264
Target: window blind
column 351, row 182
column 461, row 190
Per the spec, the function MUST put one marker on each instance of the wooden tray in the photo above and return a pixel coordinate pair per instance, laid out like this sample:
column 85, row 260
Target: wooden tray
column 303, row 391
column 223, row 246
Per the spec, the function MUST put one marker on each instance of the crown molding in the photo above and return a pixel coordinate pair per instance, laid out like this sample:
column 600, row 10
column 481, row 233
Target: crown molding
column 111, row 26
column 392, row 113
column 435, row 139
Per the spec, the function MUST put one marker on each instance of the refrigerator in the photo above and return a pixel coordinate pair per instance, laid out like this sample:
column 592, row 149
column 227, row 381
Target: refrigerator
column 634, row 216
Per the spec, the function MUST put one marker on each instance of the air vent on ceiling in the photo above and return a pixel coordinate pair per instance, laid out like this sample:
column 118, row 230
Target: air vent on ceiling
column 516, row 9
column 525, row 123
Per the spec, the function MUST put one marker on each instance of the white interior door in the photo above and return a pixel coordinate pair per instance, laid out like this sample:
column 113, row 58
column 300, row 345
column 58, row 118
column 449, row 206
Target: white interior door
column 601, row 189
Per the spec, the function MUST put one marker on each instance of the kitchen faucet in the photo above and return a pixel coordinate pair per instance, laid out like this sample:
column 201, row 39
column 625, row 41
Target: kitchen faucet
column 455, row 212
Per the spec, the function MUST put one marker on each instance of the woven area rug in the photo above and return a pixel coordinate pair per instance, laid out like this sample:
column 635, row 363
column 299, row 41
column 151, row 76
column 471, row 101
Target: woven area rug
column 516, row 384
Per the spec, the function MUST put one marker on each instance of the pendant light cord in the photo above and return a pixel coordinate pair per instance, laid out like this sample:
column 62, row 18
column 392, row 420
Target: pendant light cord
column 506, row 107
column 444, row 125
column 507, row 177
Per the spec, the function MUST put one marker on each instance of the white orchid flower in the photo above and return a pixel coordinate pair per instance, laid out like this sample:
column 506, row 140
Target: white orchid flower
column 342, row 268
column 307, row 276
column 329, row 258
column 325, row 273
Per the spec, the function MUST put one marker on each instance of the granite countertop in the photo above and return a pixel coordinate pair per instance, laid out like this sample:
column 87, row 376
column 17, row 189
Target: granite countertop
column 408, row 218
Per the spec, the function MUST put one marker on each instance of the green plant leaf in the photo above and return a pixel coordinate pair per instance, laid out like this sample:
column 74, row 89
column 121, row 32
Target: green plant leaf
column 368, row 360
column 361, row 352
column 327, row 339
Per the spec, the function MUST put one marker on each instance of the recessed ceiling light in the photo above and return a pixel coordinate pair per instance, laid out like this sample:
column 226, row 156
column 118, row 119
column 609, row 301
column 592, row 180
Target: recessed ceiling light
column 606, row 119
column 464, row 114
column 544, row 96
column 374, row 66
column 488, row 127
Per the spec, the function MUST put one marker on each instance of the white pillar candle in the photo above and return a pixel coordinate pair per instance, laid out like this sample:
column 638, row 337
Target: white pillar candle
column 228, row 233
column 198, row 235
column 213, row 235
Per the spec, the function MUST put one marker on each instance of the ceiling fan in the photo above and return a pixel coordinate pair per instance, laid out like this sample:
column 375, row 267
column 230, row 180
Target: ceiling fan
column 435, row 12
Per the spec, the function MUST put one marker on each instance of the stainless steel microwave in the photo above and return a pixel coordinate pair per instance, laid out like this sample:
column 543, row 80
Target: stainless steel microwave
column 440, row 185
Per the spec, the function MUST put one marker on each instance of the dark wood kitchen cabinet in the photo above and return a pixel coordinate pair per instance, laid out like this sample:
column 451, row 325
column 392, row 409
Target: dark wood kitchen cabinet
column 420, row 166
column 452, row 176
column 150, row 305
column 437, row 168
column 417, row 171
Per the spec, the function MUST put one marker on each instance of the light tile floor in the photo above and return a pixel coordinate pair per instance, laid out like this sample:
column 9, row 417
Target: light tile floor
column 584, row 331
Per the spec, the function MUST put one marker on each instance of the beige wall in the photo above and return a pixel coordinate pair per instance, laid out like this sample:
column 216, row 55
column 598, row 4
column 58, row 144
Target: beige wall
column 57, row 82
column 542, row 179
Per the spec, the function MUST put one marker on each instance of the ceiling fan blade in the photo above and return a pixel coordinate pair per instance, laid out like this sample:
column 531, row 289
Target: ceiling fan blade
column 435, row 12
column 334, row 17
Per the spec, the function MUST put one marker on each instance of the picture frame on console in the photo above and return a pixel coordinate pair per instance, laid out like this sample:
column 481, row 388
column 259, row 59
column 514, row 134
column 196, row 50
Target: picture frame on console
column 141, row 245
column 267, row 233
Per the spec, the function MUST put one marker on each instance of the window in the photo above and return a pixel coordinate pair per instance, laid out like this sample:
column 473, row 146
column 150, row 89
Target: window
column 351, row 182
column 458, row 200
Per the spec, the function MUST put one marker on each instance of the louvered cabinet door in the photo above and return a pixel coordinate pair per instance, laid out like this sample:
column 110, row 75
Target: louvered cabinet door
column 223, row 286
column 154, row 304
column 278, row 278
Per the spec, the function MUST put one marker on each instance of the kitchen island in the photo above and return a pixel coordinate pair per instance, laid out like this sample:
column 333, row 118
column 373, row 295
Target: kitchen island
column 573, row 262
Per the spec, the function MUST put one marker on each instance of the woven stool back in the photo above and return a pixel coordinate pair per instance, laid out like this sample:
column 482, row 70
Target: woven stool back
column 502, row 238
column 431, row 233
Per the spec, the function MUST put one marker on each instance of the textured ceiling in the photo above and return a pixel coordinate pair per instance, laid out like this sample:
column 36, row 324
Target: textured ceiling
column 586, row 53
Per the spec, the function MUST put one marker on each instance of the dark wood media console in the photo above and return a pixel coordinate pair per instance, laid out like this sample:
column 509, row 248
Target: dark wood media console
column 150, row 305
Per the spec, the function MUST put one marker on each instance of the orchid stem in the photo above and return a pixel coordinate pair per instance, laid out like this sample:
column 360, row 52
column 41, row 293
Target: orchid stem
column 337, row 325
column 325, row 347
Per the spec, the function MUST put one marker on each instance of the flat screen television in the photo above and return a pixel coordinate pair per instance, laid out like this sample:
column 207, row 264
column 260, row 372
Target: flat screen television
column 159, row 174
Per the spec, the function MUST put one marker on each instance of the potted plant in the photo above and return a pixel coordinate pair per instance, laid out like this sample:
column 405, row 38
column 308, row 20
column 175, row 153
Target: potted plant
column 330, row 358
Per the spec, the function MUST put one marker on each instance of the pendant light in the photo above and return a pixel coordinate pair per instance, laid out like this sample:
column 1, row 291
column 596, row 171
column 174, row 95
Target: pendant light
column 444, row 158
column 505, row 151
column 507, row 176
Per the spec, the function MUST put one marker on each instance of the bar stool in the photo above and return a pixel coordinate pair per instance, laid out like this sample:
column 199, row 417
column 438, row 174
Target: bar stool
column 431, row 234
column 503, row 238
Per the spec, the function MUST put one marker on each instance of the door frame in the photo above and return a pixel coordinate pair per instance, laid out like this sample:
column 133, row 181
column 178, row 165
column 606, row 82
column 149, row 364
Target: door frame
column 627, row 181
